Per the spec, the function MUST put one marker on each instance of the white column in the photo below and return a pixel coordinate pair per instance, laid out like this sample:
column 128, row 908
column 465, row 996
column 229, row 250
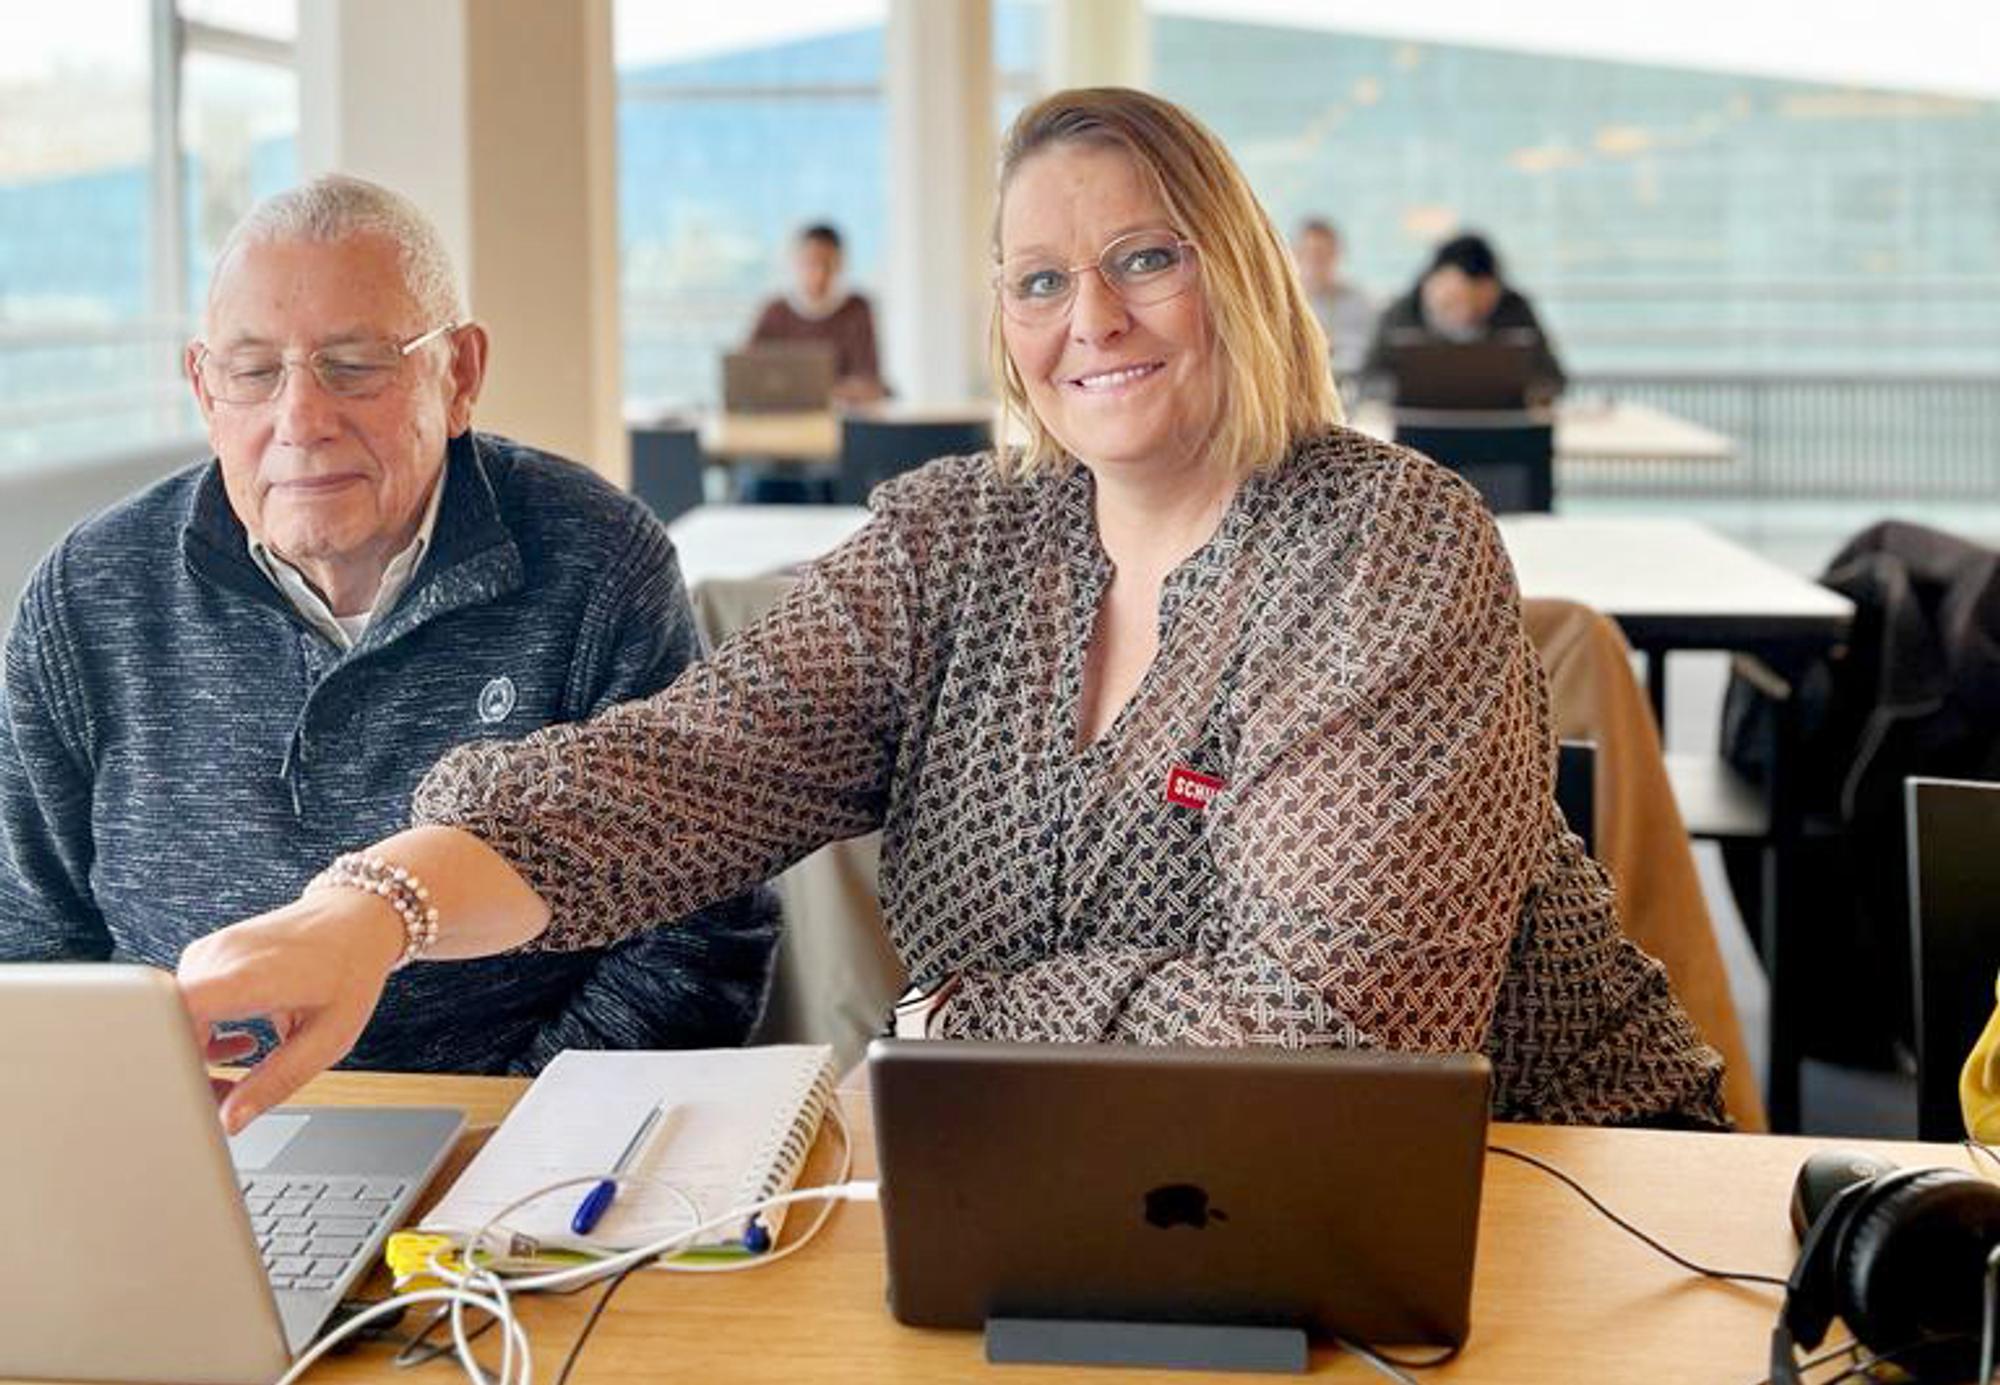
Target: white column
column 939, row 68
column 168, row 279
column 498, row 118
column 1097, row 43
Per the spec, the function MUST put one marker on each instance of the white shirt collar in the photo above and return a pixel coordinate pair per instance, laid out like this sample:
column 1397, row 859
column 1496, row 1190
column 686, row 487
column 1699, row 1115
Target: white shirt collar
column 346, row 631
column 822, row 310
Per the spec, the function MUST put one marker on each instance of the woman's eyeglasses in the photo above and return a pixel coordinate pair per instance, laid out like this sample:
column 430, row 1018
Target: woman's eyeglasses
column 1142, row 267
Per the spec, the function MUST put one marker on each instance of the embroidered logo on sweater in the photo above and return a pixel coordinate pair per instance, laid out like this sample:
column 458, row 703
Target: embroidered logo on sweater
column 497, row 699
column 1189, row 788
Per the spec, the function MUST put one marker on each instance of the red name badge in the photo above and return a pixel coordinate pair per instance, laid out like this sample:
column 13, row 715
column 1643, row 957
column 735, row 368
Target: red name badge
column 1192, row 789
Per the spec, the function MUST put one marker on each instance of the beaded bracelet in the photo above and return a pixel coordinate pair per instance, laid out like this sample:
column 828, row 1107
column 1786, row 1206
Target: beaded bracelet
column 401, row 890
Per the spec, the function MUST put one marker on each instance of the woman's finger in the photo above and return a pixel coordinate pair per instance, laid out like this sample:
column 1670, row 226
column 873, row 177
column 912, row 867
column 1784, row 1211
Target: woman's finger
column 229, row 1046
column 313, row 1048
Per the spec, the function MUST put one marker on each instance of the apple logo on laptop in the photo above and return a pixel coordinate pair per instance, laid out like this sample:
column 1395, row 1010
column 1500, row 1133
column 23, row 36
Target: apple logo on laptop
column 1181, row 1204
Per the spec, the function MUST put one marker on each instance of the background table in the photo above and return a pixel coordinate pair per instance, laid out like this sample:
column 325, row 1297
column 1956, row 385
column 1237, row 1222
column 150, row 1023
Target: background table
column 1676, row 584
column 1586, row 430
column 1670, row 583
column 785, row 437
column 1559, row 1293
column 732, row 541
column 814, row 435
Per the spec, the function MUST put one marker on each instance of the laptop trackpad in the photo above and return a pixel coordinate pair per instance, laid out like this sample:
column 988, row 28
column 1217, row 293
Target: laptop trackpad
column 264, row 1139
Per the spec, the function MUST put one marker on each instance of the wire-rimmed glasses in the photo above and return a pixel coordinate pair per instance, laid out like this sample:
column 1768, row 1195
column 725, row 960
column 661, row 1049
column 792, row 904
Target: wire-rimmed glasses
column 1141, row 267
column 347, row 370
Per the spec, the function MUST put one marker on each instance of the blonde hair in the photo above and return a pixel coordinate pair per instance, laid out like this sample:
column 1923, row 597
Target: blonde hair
column 1271, row 356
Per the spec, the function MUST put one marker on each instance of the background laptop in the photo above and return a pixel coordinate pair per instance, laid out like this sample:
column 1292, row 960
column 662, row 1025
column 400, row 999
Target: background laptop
column 128, row 1251
column 781, row 377
column 1333, row 1191
column 1494, row 372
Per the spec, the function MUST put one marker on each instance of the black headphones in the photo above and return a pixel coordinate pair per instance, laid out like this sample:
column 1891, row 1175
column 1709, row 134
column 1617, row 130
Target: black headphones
column 1901, row 1259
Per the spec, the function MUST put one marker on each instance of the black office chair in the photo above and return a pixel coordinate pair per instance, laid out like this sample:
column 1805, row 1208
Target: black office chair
column 874, row 449
column 1954, row 828
column 1512, row 465
column 1576, row 789
column 667, row 469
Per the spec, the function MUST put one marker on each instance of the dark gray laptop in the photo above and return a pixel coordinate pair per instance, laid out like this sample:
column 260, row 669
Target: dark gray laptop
column 142, row 1245
column 778, row 377
column 1496, row 372
column 1336, row 1192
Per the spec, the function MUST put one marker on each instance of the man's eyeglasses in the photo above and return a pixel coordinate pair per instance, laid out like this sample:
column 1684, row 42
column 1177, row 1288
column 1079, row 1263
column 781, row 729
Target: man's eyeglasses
column 350, row 370
column 1142, row 267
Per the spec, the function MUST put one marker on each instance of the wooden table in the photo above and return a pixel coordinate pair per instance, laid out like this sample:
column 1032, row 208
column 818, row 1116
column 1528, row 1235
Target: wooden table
column 1586, row 430
column 1620, row 431
column 784, row 437
column 814, row 436
column 1559, row 1294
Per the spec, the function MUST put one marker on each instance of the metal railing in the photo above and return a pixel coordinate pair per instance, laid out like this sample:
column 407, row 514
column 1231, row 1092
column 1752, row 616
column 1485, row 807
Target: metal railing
column 1934, row 436
column 81, row 391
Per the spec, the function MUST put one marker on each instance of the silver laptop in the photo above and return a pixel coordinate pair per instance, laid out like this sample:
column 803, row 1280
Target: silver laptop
column 779, row 377
column 142, row 1245
column 1331, row 1191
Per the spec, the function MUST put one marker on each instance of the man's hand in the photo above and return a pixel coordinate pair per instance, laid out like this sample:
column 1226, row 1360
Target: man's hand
column 314, row 969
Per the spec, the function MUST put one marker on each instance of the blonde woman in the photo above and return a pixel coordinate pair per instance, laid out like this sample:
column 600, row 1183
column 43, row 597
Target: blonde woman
column 1198, row 719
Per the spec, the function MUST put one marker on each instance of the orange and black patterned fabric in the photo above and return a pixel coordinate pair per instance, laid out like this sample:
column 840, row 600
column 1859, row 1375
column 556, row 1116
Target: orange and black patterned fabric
column 1324, row 818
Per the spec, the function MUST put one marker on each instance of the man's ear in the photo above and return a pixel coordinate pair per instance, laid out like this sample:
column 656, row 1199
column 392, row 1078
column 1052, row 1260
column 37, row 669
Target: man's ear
column 468, row 374
column 190, row 367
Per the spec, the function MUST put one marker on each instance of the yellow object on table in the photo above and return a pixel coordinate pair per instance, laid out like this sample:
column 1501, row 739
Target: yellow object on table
column 1979, row 1081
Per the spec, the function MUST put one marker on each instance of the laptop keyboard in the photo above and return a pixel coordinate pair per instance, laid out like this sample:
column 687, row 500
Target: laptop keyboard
column 312, row 1230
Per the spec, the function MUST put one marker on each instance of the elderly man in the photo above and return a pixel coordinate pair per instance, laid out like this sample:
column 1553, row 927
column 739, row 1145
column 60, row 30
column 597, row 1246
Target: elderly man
column 223, row 681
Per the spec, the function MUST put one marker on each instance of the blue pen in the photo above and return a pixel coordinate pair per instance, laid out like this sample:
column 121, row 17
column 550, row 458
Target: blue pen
column 598, row 1200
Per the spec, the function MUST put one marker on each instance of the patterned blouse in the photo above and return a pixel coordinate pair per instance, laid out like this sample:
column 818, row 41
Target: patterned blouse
column 1324, row 818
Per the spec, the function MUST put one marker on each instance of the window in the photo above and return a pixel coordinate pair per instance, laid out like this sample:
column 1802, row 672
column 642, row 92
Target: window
column 1018, row 41
column 239, row 129
column 734, row 130
column 107, row 222
column 1664, row 218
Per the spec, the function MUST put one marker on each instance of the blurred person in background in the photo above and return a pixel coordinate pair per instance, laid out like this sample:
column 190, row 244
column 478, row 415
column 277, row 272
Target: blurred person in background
column 1346, row 313
column 821, row 308
column 1463, row 296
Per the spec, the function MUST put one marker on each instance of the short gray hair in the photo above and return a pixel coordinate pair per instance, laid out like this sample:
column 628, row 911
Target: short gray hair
column 335, row 206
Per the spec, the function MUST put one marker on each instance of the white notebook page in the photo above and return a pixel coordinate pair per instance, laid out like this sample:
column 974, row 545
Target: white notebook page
column 736, row 1126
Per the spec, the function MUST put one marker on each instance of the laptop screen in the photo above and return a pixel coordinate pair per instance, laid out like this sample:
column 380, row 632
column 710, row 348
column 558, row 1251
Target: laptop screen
column 1493, row 372
column 778, row 377
column 1333, row 1191
column 116, row 1160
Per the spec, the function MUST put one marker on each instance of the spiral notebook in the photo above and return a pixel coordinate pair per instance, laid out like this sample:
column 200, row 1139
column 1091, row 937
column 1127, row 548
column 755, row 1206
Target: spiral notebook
column 735, row 1125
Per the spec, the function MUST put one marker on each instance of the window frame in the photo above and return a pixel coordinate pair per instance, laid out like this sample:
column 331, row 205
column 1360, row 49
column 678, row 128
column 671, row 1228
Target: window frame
column 175, row 38
column 166, row 317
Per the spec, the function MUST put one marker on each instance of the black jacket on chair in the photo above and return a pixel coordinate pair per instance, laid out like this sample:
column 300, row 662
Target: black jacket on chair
column 1915, row 689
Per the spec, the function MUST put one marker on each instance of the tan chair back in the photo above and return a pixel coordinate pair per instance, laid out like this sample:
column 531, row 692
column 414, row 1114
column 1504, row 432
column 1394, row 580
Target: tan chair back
column 1640, row 839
